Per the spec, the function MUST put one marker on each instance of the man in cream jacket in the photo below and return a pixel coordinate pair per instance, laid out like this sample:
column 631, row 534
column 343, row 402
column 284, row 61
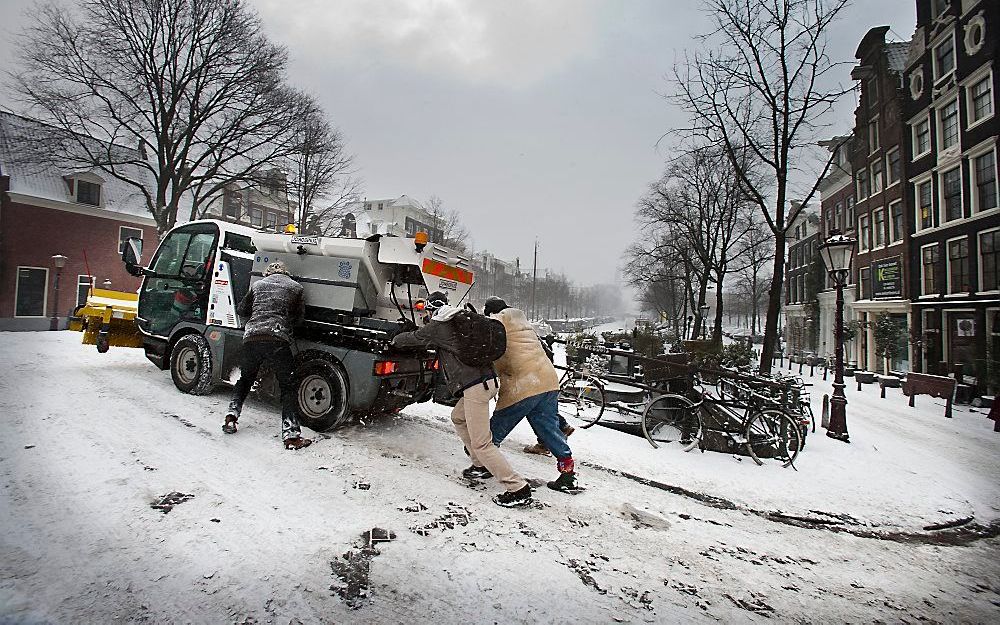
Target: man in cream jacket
column 529, row 388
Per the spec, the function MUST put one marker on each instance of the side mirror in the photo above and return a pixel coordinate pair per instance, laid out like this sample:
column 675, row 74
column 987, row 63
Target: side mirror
column 132, row 256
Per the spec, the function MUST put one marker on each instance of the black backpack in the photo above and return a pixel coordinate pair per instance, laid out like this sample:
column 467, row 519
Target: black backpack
column 481, row 340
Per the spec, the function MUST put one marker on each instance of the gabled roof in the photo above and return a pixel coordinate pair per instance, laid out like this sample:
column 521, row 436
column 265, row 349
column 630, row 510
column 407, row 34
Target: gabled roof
column 47, row 180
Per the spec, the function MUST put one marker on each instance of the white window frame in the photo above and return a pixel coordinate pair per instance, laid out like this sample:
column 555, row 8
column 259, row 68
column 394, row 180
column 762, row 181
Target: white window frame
column 939, row 77
column 873, row 138
column 979, row 260
column 978, row 77
column 873, row 188
column 974, row 182
column 45, row 295
column 122, row 239
column 864, row 238
column 942, row 208
column 928, row 179
column 893, row 239
column 923, row 280
column 958, row 126
column 863, row 179
column 92, row 284
column 875, row 244
column 947, row 264
column 888, row 167
column 913, row 137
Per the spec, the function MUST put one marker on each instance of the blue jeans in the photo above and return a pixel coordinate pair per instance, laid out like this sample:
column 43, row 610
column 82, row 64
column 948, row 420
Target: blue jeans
column 543, row 416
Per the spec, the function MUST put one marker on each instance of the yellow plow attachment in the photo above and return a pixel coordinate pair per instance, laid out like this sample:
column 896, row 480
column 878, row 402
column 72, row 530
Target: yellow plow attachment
column 108, row 318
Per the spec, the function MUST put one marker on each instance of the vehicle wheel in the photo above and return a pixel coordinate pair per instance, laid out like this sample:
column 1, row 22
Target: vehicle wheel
column 581, row 401
column 672, row 420
column 191, row 365
column 321, row 393
column 774, row 437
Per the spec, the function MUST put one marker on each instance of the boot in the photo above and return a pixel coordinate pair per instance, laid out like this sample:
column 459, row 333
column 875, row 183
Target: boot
column 568, row 430
column 477, row 473
column 297, row 442
column 229, row 427
column 514, row 499
column 565, row 483
column 537, row 448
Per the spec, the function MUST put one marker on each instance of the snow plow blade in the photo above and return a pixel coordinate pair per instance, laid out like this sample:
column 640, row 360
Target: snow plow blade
column 108, row 319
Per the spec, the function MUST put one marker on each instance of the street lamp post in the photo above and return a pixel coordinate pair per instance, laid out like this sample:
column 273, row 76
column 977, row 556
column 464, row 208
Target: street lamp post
column 59, row 261
column 704, row 321
column 837, row 253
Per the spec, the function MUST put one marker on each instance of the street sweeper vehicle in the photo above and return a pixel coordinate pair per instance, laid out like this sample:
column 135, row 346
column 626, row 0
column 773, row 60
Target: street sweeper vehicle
column 359, row 293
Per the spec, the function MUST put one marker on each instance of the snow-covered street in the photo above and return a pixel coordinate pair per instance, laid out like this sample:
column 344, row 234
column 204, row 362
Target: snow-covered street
column 89, row 442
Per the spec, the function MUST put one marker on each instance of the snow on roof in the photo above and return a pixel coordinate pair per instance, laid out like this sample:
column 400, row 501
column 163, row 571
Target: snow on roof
column 48, row 180
column 896, row 53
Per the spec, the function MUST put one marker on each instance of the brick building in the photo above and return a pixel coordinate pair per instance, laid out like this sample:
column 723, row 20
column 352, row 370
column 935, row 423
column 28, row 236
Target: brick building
column 950, row 156
column 48, row 210
column 801, row 321
column 882, row 223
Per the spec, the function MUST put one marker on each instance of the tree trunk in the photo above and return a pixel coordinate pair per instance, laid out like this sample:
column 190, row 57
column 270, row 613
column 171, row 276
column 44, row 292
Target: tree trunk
column 773, row 304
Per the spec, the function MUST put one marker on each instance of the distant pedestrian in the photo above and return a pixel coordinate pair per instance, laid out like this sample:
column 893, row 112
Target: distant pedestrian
column 273, row 305
column 529, row 388
column 446, row 330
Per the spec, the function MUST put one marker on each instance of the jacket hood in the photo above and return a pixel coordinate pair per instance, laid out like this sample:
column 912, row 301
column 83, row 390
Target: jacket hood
column 445, row 313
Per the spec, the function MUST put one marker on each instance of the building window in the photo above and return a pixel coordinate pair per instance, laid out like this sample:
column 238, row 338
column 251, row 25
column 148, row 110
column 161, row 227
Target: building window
column 951, row 194
column 958, row 265
column 989, row 261
column 380, row 205
column 922, row 138
column 231, row 205
column 864, row 283
column 872, row 91
column 876, row 184
column 985, row 170
column 896, row 223
column 878, row 230
column 864, row 233
column 861, row 180
column 949, row 125
column 271, row 220
column 981, row 100
column 892, row 160
column 125, row 233
column 873, row 136
column 944, row 58
column 850, row 212
column 368, row 207
column 929, row 260
column 83, row 284
column 256, row 217
column 925, row 205
column 30, row 291
column 938, row 7
column 88, row 193
column 838, row 217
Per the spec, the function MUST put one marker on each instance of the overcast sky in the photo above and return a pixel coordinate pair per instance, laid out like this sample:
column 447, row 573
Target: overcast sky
column 532, row 118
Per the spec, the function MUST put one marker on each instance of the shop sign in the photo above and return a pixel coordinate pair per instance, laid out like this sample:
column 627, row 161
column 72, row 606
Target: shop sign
column 887, row 278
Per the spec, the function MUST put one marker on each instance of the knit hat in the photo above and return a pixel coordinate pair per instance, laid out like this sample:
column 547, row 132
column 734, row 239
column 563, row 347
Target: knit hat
column 493, row 305
column 436, row 300
column 275, row 267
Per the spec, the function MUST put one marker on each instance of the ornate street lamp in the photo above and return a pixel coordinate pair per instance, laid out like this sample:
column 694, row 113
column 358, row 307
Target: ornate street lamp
column 837, row 253
column 59, row 261
column 704, row 321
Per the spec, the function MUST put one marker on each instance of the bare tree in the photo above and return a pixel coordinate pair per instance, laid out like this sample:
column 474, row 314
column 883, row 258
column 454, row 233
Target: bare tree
column 322, row 172
column 752, row 283
column 447, row 225
column 195, row 88
column 760, row 85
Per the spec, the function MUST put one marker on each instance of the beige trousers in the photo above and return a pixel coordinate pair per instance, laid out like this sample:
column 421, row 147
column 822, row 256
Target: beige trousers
column 471, row 416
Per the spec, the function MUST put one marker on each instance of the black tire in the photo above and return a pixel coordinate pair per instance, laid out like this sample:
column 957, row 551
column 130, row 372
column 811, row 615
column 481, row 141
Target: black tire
column 774, row 437
column 191, row 365
column 672, row 420
column 581, row 401
column 321, row 392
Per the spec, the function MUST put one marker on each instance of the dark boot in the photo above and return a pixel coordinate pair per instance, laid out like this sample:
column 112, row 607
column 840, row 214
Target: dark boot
column 297, row 442
column 229, row 427
column 514, row 499
column 477, row 473
column 565, row 483
column 537, row 448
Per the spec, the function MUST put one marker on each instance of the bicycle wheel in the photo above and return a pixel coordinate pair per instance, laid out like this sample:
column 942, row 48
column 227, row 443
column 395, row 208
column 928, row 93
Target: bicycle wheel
column 581, row 401
column 672, row 420
column 773, row 436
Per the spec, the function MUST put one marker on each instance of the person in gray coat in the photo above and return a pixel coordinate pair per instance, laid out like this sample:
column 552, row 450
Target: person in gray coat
column 274, row 305
column 476, row 386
